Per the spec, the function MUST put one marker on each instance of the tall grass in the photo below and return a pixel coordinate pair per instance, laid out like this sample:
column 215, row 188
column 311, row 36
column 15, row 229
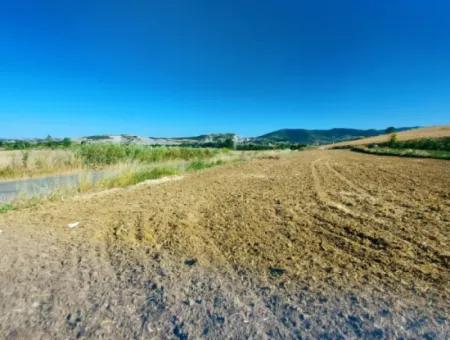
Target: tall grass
column 107, row 154
column 201, row 164
column 138, row 176
column 36, row 162
column 26, row 163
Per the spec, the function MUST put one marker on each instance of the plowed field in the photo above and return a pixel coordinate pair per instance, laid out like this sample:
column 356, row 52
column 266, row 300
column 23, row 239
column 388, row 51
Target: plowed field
column 315, row 244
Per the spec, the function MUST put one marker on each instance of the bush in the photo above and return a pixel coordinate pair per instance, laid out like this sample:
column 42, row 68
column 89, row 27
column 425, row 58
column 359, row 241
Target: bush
column 442, row 144
column 386, row 151
column 393, row 140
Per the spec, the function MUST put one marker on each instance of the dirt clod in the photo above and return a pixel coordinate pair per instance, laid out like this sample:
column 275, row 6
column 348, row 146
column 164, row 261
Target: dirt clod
column 190, row 262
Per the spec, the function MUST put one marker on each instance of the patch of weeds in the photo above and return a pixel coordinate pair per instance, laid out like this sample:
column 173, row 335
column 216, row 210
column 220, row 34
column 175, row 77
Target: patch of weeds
column 144, row 175
column 200, row 164
column 7, row 172
column 387, row 151
column 6, row 207
column 135, row 177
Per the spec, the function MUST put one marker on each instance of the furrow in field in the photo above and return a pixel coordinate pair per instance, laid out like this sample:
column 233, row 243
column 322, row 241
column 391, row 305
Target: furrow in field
column 363, row 211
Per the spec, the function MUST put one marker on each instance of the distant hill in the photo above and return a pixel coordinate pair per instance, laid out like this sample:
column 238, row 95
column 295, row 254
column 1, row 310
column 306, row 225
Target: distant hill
column 202, row 140
column 303, row 136
column 442, row 131
column 282, row 137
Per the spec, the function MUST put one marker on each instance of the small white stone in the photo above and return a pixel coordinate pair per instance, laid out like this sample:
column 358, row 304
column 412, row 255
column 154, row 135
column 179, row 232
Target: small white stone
column 73, row 225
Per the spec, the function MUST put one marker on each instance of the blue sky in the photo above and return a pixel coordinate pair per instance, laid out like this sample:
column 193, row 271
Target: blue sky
column 173, row 68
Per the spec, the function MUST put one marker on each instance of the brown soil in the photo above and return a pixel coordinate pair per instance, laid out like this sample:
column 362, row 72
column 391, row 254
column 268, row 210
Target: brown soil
column 429, row 132
column 328, row 244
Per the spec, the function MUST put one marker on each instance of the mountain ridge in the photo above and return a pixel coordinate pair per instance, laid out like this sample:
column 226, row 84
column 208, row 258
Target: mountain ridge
column 281, row 136
column 323, row 136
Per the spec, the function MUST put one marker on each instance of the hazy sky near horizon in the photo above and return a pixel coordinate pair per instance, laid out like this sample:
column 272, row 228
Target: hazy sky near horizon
column 178, row 68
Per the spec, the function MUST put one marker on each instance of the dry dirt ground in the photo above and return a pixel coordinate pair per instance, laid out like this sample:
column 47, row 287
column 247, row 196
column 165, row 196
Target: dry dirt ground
column 316, row 244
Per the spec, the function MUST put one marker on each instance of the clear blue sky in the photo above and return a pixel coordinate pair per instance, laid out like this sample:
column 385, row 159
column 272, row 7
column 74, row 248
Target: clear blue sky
column 172, row 68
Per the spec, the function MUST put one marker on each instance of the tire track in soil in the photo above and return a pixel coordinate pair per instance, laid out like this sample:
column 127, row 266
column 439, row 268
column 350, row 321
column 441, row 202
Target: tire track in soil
column 245, row 297
column 427, row 251
column 382, row 225
column 438, row 261
column 123, row 246
column 354, row 242
column 251, row 311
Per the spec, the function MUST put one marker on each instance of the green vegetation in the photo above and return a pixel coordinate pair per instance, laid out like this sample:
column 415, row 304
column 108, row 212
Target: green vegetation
column 200, row 164
column 6, row 207
column 424, row 148
column 393, row 140
column 107, row 154
column 45, row 160
column 270, row 146
column 224, row 142
column 98, row 137
column 7, row 172
column 387, row 151
column 390, row 129
column 137, row 176
column 47, row 143
column 442, row 144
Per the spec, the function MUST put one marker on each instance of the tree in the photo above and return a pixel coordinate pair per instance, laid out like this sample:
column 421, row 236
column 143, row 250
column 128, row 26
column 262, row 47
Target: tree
column 393, row 140
column 229, row 143
column 49, row 141
column 66, row 142
column 390, row 129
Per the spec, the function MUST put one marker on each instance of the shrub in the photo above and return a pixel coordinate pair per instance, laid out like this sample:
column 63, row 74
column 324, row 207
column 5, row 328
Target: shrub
column 442, row 144
column 393, row 140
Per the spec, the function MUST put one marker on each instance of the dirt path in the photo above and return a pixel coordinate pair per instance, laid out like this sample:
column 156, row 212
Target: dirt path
column 327, row 244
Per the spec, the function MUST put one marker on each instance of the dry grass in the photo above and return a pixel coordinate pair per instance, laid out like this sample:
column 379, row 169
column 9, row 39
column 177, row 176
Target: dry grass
column 32, row 163
column 429, row 132
column 29, row 163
